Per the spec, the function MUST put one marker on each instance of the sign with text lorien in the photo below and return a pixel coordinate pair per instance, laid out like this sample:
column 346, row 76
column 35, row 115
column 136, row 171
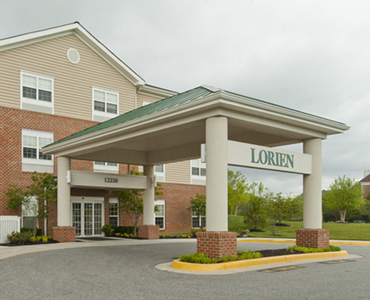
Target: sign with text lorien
column 253, row 156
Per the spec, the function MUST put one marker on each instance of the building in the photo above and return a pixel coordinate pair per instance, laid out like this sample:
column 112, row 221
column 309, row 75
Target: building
column 365, row 182
column 59, row 81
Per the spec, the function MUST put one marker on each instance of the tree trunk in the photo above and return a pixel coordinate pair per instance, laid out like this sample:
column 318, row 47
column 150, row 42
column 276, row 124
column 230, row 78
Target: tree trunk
column 342, row 215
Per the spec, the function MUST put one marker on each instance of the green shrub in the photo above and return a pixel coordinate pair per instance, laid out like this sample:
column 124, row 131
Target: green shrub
column 107, row 228
column 38, row 231
column 194, row 231
column 50, row 237
column 229, row 258
column 313, row 250
column 118, row 234
column 19, row 237
column 32, row 239
column 124, row 229
column 44, row 239
column 38, row 238
column 242, row 254
column 198, row 258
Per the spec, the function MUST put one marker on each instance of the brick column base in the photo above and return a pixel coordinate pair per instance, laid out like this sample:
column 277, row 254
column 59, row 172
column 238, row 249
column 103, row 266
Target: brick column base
column 64, row 234
column 150, row 232
column 217, row 244
column 316, row 238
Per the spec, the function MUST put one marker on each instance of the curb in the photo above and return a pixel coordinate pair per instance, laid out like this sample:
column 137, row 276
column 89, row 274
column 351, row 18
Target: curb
column 348, row 243
column 177, row 264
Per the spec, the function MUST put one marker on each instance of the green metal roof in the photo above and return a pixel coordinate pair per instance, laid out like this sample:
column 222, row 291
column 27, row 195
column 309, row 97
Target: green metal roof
column 181, row 98
column 146, row 110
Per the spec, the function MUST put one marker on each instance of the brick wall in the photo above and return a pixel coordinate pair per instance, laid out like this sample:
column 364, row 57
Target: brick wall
column 12, row 121
column 217, row 244
column 316, row 238
column 366, row 189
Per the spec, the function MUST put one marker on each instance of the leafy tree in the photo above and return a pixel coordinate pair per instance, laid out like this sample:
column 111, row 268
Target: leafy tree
column 43, row 188
column 273, row 210
column 255, row 215
column 294, row 207
column 131, row 201
column 344, row 194
column 198, row 206
column 238, row 190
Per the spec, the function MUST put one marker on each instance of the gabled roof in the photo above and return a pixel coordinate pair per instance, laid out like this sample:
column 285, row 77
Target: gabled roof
column 78, row 30
column 365, row 179
column 202, row 92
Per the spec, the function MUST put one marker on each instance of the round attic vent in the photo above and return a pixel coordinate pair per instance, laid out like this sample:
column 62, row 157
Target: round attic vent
column 73, row 56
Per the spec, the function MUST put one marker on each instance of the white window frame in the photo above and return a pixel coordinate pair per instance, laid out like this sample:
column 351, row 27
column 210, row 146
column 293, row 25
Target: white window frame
column 38, row 135
column 197, row 179
column 106, row 115
column 106, row 168
column 30, row 211
column 161, row 202
column 37, row 102
column 200, row 220
column 113, row 200
column 160, row 176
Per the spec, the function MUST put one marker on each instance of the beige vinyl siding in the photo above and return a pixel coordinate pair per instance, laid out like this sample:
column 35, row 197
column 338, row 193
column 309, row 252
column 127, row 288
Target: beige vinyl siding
column 73, row 83
column 144, row 97
column 178, row 172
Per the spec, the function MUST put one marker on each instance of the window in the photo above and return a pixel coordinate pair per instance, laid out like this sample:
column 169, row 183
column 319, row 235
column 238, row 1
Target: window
column 105, row 105
column 160, row 213
column 196, row 222
column 198, row 172
column 113, row 213
column 29, row 213
column 32, row 157
column 159, row 173
column 106, row 167
column 37, row 92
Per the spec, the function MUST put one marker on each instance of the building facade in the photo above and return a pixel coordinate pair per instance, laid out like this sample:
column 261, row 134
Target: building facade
column 62, row 80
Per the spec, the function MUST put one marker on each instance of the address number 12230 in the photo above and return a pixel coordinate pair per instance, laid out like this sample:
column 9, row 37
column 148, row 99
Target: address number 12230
column 111, row 180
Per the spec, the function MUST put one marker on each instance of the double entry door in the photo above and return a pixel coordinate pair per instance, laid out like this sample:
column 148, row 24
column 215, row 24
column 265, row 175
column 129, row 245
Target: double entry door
column 87, row 215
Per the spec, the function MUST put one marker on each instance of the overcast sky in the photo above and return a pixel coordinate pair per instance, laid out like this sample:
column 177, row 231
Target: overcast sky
column 312, row 56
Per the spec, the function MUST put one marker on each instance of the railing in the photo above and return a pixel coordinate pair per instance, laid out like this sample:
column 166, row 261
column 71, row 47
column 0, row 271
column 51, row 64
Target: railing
column 8, row 224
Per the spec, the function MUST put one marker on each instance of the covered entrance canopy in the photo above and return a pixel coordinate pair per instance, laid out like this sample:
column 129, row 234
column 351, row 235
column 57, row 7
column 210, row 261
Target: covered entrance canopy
column 174, row 128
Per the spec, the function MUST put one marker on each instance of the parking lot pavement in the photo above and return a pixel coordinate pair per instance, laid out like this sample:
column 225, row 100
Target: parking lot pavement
column 126, row 270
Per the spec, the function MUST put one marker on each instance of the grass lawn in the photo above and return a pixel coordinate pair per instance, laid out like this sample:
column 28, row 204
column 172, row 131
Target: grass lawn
column 338, row 231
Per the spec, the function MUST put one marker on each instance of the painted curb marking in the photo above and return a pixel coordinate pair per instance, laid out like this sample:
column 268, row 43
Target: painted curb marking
column 177, row 264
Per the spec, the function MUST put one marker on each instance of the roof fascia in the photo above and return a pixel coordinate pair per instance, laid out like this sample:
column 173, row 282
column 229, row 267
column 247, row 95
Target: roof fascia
column 84, row 36
column 156, row 91
column 219, row 99
column 266, row 107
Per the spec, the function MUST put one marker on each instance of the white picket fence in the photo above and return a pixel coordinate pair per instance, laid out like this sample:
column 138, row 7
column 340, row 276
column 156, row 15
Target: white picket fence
column 8, row 224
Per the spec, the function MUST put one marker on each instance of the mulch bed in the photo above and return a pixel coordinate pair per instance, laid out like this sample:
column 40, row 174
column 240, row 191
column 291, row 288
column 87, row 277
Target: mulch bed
column 278, row 252
column 28, row 243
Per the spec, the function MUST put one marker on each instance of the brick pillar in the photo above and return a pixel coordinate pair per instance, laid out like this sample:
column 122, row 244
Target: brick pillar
column 217, row 244
column 316, row 238
column 150, row 232
column 64, row 234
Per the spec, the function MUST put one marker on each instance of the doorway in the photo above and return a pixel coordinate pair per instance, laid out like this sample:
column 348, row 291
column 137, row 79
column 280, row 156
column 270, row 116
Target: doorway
column 87, row 216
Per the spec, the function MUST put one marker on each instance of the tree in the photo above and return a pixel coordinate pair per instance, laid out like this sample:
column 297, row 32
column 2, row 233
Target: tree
column 131, row 201
column 344, row 194
column 198, row 206
column 294, row 207
column 238, row 191
column 255, row 215
column 43, row 188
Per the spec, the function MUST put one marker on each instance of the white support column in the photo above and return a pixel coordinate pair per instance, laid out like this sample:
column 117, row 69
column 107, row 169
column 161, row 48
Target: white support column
column 216, row 179
column 148, row 196
column 312, row 186
column 64, row 192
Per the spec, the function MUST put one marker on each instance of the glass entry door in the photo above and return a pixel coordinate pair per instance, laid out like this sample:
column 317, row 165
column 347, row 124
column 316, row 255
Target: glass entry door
column 87, row 216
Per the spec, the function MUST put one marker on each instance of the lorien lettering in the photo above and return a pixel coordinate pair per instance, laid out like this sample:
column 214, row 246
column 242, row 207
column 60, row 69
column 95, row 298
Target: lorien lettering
column 272, row 158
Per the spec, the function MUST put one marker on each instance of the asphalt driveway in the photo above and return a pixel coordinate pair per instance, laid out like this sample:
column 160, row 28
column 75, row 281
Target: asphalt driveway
column 126, row 271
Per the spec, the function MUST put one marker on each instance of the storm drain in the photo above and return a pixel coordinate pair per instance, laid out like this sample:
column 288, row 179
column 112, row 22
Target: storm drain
column 336, row 261
column 288, row 268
